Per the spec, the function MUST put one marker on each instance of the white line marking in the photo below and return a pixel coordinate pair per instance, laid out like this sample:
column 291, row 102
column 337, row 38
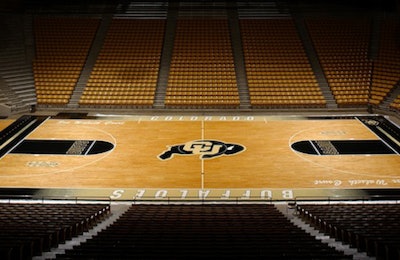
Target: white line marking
column 390, row 137
column 104, row 155
column 315, row 148
column 202, row 160
column 87, row 151
column 16, row 135
column 202, row 174
column 202, row 129
column 13, row 137
column 302, row 156
column 376, row 134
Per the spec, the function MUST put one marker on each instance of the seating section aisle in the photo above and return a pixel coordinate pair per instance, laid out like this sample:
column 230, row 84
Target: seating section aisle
column 203, row 232
column 202, row 72
column 62, row 45
column 27, row 229
column 278, row 70
column 387, row 65
column 127, row 68
column 373, row 228
column 396, row 102
column 342, row 46
column 386, row 70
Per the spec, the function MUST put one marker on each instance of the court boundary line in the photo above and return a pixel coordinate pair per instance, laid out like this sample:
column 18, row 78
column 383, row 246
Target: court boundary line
column 203, row 122
column 104, row 155
column 202, row 166
column 377, row 135
column 299, row 154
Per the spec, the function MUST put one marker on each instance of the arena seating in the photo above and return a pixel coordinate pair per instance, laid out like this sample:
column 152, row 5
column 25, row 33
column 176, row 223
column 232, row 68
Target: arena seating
column 251, row 231
column 342, row 45
column 373, row 228
column 28, row 229
column 386, row 74
column 202, row 70
column 62, row 45
column 277, row 68
column 127, row 68
column 386, row 70
column 396, row 103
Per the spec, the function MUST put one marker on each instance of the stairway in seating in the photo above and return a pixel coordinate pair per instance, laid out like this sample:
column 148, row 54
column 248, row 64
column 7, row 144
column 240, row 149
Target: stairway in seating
column 314, row 62
column 16, row 52
column 238, row 56
column 223, row 231
column 290, row 212
column 166, row 56
column 116, row 212
column 391, row 97
column 90, row 61
column 376, row 24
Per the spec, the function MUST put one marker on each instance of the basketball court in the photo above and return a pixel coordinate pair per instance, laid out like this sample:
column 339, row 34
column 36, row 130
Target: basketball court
column 202, row 157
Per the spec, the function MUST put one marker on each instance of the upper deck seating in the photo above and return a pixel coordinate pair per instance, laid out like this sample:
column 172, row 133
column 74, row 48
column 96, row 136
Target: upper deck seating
column 386, row 73
column 126, row 70
column 62, row 45
column 202, row 70
column 342, row 46
column 278, row 71
column 396, row 103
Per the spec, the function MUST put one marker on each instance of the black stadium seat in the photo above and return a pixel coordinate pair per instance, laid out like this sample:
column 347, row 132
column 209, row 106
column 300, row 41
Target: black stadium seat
column 203, row 231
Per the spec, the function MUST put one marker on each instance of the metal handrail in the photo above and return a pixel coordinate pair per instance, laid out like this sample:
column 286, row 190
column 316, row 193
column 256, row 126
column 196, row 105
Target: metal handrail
column 362, row 198
column 196, row 199
column 46, row 198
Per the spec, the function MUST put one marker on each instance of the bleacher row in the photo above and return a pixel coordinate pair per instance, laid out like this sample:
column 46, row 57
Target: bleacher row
column 28, row 229
column 373, row 229
column 61, row 48
column 200, row 45
column 240, row 231
column 342, row 45
column 126, row 70
column 203, row 232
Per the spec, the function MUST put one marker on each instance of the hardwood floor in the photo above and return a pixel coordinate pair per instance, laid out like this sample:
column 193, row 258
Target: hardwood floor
column 267, row 162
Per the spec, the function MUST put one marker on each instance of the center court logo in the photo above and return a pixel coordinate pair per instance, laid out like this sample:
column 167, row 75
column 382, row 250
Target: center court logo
column 206, row 149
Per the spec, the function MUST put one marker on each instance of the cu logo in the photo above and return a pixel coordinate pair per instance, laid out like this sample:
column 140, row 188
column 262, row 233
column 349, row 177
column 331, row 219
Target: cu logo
column 206, row 149
column 202, row 147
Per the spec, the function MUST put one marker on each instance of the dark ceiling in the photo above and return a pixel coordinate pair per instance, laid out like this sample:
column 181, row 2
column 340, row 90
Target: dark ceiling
column 23, row 5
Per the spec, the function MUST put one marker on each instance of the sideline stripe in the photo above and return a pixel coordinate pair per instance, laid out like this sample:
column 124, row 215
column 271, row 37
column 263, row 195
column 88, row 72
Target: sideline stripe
column 17, row 134
column 17, row 138
column 382, row 131
column 202, row 160
column 390, row 137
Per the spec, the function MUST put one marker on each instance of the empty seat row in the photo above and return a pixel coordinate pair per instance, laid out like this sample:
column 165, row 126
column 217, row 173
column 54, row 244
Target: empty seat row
column 273, row 66
column 372, row 228
column 203, row 231
column 56, row 56
column 202, row 63
column 118, row 66
column 342, row 48
column 28, row 229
